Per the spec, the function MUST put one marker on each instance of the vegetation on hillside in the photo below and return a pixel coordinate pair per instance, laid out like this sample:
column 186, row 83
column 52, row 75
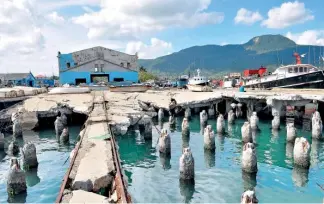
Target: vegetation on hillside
column 144, row 75
column 214, row 60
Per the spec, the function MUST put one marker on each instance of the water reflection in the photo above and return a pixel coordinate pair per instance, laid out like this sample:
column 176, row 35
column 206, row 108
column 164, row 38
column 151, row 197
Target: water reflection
column 185, row 140
column 275, row 133
column 315, row 149
column 221, row 140
column 254, row 136
column 300, row 176
column 165, row 161
column 160, row 124
column 2, row 155
column 202, row 128
column 249, row 180
column 209, row 156
column 139, row 137
column 31, row 177
column 230, row 130
column 187, row 189
column 21, row 198
column 289, row 150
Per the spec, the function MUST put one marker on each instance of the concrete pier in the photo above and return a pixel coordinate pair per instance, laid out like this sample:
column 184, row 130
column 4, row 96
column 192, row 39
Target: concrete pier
column 94, row 168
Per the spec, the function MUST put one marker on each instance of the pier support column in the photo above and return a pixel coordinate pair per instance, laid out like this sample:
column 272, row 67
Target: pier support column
column 16, row 183
column 146, row 123
column 29, row 156
column 211, row 111
column 160, row 114
column 228, row 105
column 1, row 141
column 187, row 113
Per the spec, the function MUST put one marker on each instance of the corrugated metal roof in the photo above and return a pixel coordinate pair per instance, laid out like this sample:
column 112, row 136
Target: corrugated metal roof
column 13, row 76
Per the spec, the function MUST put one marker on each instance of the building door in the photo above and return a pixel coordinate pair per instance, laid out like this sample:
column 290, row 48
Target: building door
column 30, row 83
column 80, row 81
column 97, row 78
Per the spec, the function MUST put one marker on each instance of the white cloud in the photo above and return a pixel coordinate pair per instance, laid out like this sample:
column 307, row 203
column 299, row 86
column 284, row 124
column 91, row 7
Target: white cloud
column 287, row 14
column 49, row 5
column 309, row 37
column 19, row 29
column 247, row 17
column 131, row 18
column 55, row 18
column 87, row 9
column 155, row 49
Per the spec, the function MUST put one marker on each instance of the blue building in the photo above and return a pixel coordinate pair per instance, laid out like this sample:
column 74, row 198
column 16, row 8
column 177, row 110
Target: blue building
column 18, row 79
column 97, row 64
column 43, row 81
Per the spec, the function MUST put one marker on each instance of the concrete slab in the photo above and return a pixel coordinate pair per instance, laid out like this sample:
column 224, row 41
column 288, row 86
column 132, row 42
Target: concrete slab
column 96, row 130
column 80, row 196
column 96, row 169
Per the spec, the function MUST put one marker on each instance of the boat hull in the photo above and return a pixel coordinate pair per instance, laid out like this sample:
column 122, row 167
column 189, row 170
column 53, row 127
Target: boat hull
column 199, row 88
column 129, row 89
column 309, row 80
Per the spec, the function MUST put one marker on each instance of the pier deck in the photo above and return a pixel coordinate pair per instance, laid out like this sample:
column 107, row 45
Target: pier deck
column 96, row 163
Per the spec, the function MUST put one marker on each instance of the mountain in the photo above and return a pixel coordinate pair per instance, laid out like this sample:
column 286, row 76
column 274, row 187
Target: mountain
column 266, row 50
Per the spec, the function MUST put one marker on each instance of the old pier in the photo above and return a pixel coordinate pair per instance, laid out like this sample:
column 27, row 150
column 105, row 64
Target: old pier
column 95, row 174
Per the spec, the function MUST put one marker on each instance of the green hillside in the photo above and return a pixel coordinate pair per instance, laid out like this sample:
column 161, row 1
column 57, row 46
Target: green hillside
column 266, row 50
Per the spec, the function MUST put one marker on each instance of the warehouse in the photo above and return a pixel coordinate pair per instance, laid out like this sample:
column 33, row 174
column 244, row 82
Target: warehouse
column 95, row 65
column 17, row 79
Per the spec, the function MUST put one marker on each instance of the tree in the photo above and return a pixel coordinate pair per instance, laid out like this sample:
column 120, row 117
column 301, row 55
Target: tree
column 145, row 76
column 142, row 69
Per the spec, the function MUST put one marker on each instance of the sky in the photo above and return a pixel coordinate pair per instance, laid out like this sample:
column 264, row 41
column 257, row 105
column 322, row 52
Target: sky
column 33, row 31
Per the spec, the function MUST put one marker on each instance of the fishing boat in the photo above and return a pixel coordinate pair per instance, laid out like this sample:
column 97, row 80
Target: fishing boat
column 130, row 88
column 199, row 83
column 290, row 76
column 182, row 81
column 231, row 81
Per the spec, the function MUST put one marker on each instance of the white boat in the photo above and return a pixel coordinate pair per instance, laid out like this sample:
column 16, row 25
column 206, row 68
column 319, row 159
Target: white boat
column 290, row 76
column 69, row 90
column 199, row 88
column 199, row 83
column 198, row 80
column 132, row 88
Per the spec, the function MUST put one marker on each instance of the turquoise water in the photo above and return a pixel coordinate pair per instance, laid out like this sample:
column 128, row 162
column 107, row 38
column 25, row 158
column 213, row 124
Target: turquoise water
column 43, row 184
column 218, row 177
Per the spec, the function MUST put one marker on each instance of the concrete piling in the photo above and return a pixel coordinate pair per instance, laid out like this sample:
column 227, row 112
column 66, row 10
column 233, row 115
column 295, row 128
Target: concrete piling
column 203, row 117
column 211, row 111
column 187, row 113
column 246, row 132
column 302, row 152
column 29, row 156
column 291, row 132
column 254, row 121
column 209, row 138
column 165, row 142
column 249, row 158
column 249, row 197
column 187, row 165
column 239, row 112
column 65, row 136
column 185, row 128
column 220, row 123
column 317, row 126
column 16, row 183
column 13, row 147
column 2, row 141
column 231, row 117
column 17, row 129
column 160, row 114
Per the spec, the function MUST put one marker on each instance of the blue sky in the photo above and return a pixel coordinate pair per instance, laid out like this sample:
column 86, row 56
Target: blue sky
column 35, row 30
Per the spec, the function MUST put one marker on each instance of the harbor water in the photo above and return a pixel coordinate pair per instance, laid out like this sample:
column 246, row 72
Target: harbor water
column 218, row 177
column 44, row 183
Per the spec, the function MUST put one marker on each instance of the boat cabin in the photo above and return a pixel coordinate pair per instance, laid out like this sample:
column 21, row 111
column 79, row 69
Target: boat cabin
column 294, row 70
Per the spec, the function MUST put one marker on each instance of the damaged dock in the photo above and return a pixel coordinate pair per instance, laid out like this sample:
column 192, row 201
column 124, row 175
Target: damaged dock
column 95, row 173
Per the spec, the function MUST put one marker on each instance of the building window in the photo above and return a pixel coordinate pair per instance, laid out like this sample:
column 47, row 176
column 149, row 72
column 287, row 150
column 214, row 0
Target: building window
column 75, row 63
column 301, row 69
column 290, row 70
column 68, row 65
column 122, row 64
column 128, row 65
column 305, row 69
column 96, row 66
column 296, row 70
column 118, row 79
